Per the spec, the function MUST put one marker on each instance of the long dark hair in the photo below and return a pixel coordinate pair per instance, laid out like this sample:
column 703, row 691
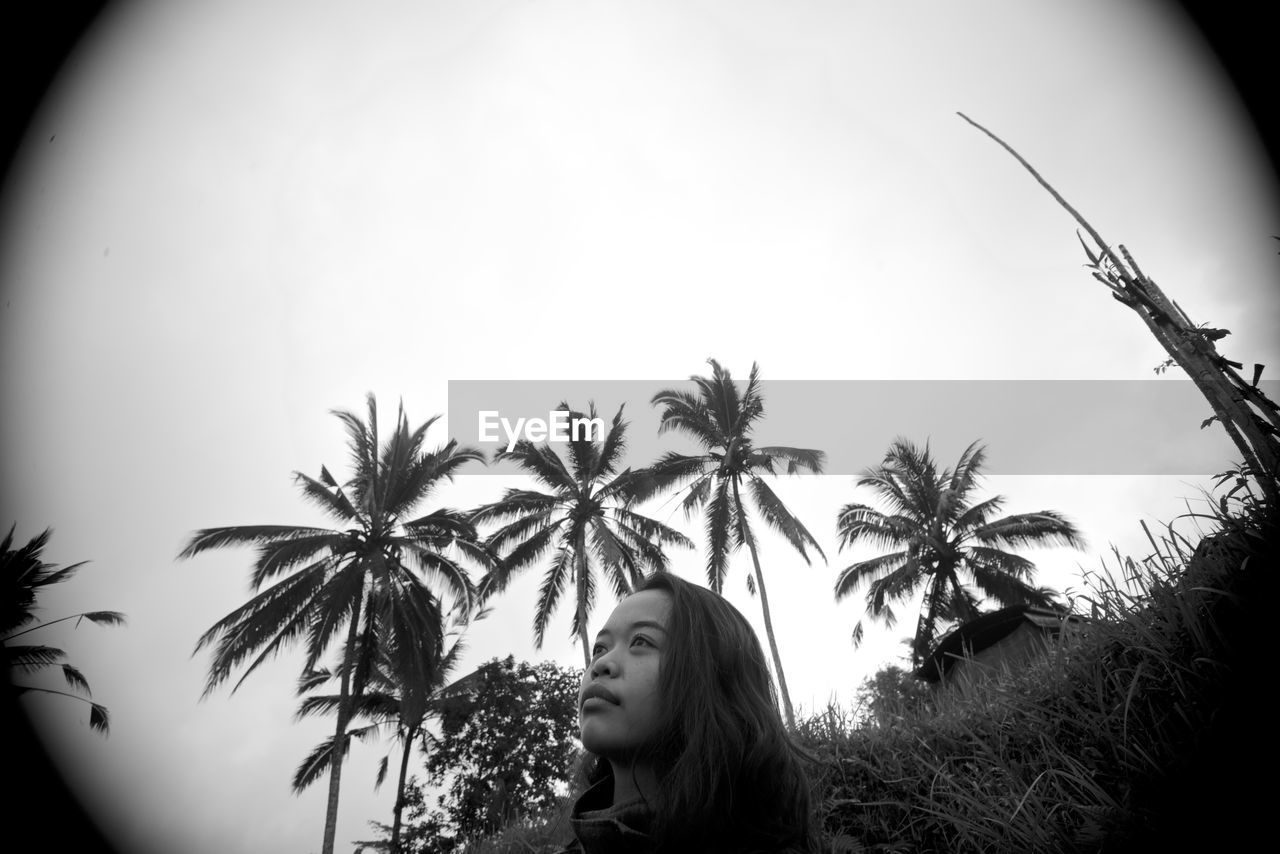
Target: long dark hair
column 731, row 778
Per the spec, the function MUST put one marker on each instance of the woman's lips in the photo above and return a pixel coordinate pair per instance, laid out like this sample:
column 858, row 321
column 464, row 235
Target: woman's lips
column 599, row 693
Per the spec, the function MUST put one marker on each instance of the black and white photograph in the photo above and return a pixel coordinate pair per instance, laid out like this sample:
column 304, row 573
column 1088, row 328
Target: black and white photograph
column 584, row 426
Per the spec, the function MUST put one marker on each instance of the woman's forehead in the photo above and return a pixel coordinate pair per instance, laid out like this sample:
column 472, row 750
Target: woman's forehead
column 647, row 606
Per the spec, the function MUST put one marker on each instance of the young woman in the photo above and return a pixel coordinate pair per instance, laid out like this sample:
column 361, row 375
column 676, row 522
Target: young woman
column 686, row 749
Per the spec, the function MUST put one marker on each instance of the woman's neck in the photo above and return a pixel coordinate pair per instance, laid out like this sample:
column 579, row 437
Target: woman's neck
column 632, row 782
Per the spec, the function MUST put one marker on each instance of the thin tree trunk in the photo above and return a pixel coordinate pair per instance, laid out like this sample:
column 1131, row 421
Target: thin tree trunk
column 404, row 771
column 340, row 733
column 768, row 619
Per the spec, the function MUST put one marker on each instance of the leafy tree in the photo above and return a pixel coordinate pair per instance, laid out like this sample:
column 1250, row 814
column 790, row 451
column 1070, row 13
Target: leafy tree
column 24, row 574
column 721, row 420
column 891, row 693
column 945, row 543
column 423, row 832
column 507, row 744
column 584, row 520
column 364, row 576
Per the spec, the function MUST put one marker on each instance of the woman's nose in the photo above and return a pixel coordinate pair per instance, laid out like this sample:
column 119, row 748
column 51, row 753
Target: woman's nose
column 604, row 665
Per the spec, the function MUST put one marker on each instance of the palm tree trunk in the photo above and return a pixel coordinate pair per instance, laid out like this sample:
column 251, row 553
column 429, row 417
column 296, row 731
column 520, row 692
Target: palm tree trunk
column 768, row 619
column 404, row 771
column 340, row 733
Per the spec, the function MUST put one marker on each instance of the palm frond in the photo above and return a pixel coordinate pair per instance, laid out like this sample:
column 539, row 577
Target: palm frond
column 620, row 562
column 442, row 569
column 76, row 679
column 613, row 447
column 994, row 574
column 586, row 596
column 698, row 494
column 859, row 523
column 720, row 530
column 479, row 554
column 440, row 527
column 316, row 765
column 584, row 452
column 532, row 549
column 685, row 412
column 966, row 476
column 30, row 658
column 103, row 618
column 270, row 619
column 778, row 517
column 672, row 470
column 856, row 574
column 541, row 462
column 549, row 592
column 311, row 679
column 327, row 495
column 896, row 586
column 99, row 718
column 281, row 557
column 515, row 504
column 373, row 705
column 650, row 529
column 996, row 560
column 427, row 472
column 977, row 515
column 246, row 535
column 796, row 458
column 1045, row 528
column 648, row 550
column 857, row 635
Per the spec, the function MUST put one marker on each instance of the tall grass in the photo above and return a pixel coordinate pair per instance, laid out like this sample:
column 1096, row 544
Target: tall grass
column 1138, row 729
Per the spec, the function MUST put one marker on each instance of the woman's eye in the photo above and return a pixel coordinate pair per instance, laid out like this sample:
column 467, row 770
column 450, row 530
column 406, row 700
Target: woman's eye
column 597, row 651
column 642, row 640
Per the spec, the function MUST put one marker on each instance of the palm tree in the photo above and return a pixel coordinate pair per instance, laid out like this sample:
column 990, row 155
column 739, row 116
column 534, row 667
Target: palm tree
column 24, row 574
column 721, row 420
column 584, row 520
column 386, row 703
column 363, row 576
column 944, row 543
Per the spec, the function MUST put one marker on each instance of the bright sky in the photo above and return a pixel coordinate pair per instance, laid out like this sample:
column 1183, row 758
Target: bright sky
column 232, row 218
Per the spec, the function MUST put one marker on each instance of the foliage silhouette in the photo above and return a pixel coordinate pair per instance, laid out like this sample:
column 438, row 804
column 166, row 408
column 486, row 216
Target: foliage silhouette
column 721, row 419
column 364, row 576
column 24, row 575
column 944, row 543
column 585, row 520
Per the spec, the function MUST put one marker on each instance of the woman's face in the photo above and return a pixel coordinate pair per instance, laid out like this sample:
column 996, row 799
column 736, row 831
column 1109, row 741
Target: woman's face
column 618, row 704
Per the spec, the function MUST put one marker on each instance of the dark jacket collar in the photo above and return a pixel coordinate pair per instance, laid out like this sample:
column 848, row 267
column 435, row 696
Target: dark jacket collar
column 603, row 828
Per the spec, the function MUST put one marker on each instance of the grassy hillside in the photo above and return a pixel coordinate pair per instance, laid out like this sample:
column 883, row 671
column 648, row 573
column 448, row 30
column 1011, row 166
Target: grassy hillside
column 1145, row 728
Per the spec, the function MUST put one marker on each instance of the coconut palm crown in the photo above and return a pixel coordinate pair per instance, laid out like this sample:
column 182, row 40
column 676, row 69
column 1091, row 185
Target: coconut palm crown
column 720, row 418
column 370, row 575
column 584, row 520
column 955, row 549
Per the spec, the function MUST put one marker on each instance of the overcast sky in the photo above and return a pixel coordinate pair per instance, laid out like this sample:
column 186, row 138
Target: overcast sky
column 230, row 218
